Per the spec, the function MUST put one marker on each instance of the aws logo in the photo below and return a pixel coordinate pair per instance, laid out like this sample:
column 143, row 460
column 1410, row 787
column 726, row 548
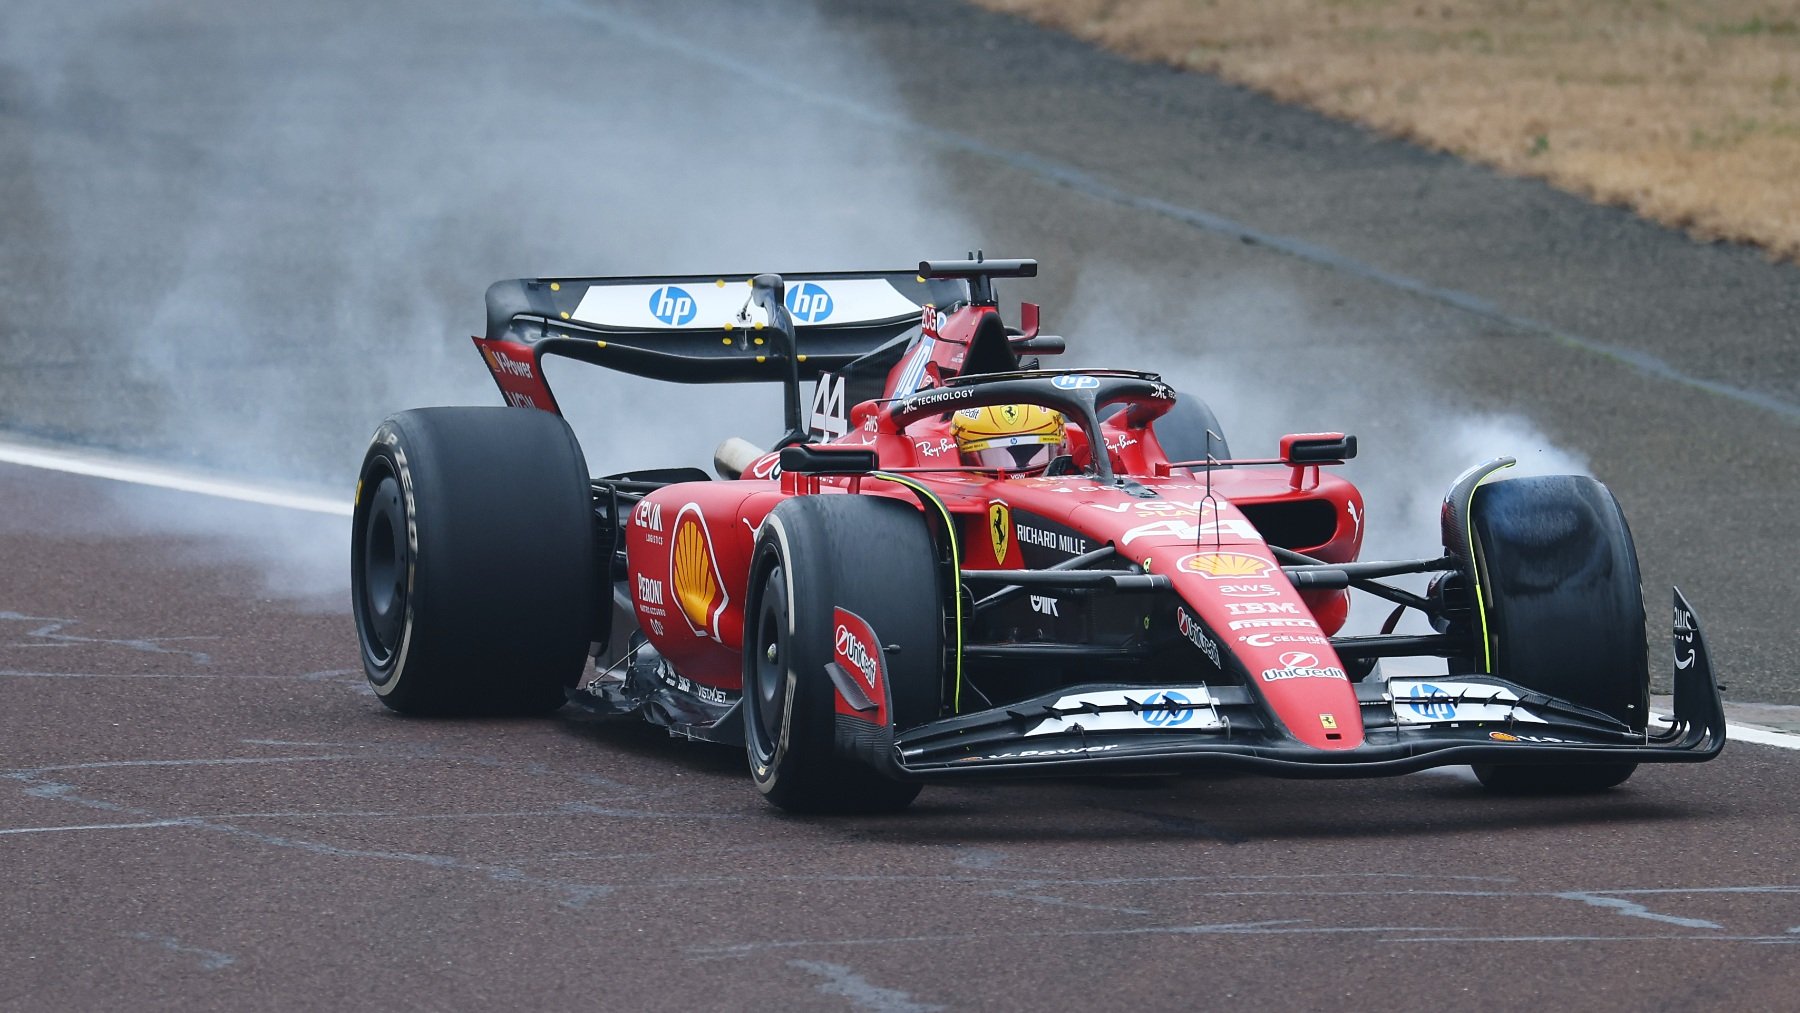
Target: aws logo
column 694, row 574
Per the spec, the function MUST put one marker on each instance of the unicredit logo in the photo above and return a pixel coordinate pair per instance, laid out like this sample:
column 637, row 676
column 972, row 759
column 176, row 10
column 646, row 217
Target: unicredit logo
column 851, row 649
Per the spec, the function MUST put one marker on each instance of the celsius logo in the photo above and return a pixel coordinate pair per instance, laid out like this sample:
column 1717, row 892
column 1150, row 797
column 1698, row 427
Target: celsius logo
column 1166, row 710
column 809, row 303
column 672, row 305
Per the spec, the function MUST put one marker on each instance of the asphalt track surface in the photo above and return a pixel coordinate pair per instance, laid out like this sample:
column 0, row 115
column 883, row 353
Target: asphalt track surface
column 208, row 810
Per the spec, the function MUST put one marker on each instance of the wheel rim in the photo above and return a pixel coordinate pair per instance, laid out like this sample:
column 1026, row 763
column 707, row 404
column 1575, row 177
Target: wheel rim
column 768, row 670
column 383, row 565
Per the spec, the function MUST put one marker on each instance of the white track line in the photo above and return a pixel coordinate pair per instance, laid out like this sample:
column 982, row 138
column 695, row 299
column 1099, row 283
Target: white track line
column 121, row 469
column 95, row 826
column 1761, row 736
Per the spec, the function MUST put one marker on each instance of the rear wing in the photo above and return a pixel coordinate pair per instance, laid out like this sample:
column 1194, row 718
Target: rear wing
column 723, row 329
column 710, row 328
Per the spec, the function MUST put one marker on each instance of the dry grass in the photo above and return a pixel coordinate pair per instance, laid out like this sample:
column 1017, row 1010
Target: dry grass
column 1687, row 111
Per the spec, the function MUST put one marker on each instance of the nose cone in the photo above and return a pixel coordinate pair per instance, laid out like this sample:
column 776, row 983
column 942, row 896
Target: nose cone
column 1239, row 596
column 1309, row 692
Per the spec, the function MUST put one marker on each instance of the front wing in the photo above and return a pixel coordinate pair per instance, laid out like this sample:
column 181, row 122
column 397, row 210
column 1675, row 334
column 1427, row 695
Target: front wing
column 1410, row 724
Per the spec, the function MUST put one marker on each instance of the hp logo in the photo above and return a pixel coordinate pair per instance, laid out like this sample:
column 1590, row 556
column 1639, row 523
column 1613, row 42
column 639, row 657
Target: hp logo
column 672, row 305
column 1075, row 382
column 808, row 303
column 1442, row 710
column 1166, row 710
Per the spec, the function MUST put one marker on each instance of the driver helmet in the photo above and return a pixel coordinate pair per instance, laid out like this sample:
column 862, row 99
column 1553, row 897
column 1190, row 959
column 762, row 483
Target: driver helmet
column 1009, row 437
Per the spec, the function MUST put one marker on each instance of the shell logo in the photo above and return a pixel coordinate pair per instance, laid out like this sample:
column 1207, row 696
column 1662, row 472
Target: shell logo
column 1219, row 565
column 694, row 574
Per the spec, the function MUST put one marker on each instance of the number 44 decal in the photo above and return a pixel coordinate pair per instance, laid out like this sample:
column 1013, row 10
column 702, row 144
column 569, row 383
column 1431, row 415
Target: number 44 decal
column 830, row 416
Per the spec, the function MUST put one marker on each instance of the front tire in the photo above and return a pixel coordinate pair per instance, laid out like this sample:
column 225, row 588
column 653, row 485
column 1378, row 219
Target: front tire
column 874, row 558
column 1565, row 612
column 472, row 569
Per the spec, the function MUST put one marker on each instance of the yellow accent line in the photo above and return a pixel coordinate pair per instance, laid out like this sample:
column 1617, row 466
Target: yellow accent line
column 356, row 500
column 1487, row 643
column 955, row 570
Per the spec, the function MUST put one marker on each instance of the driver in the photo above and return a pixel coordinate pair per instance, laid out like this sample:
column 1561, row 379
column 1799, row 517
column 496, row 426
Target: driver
column 1009, row 437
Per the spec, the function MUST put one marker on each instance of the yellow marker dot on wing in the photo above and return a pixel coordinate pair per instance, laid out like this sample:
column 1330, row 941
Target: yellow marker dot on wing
column 720, row 283
column 565, row 314
column 599, row 344
column 920, row 279
column 759, row 341
column 728, row 341
column 802, row 358
column 728, row 325
column 554, row 287
column 759, row 325
column 762, row 358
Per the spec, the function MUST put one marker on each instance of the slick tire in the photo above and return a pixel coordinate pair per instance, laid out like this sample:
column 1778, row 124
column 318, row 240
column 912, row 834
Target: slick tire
column 472, row 561
column 1565, row 612
column 870, row 556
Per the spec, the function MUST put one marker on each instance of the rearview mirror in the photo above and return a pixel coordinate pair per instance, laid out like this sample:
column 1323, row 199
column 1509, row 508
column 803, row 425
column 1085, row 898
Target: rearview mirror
column 1317, row 448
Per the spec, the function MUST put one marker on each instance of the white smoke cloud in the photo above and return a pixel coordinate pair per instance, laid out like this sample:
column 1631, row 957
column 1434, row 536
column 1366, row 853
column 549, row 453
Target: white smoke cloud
column 1268, row 363
column 293, row 214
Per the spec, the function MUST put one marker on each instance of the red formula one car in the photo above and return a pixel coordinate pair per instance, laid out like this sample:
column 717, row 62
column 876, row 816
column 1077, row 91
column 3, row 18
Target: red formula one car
column 958, row 564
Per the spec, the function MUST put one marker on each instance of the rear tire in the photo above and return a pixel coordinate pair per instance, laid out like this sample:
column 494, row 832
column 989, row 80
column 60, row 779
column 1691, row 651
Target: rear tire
column 875, row 558
column 472, row 561
column 1565, row 612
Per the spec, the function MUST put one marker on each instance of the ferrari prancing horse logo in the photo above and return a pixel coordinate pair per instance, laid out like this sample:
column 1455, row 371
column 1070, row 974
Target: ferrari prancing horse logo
column 1000, row 529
